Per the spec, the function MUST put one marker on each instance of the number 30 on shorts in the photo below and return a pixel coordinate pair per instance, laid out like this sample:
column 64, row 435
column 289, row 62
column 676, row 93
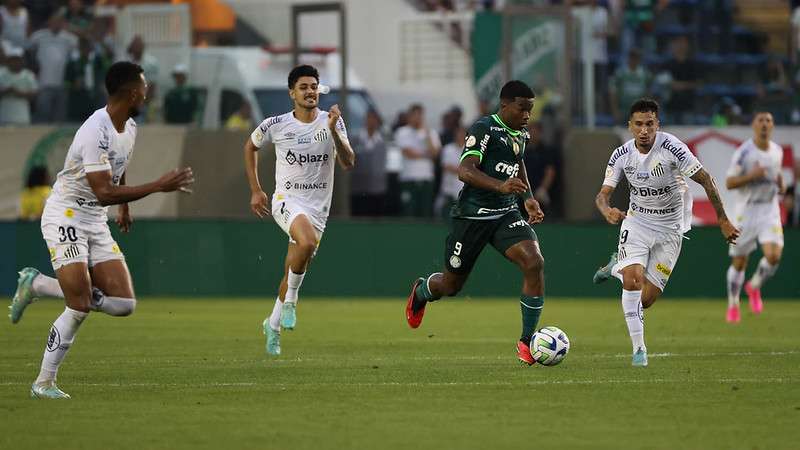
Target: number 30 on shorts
column 67, row 234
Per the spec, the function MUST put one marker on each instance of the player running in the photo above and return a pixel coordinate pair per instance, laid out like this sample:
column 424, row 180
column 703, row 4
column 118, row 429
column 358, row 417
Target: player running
column 90, row 267
column 656, row 165
column 307, row 140
column 487, row 212
column 755, row 176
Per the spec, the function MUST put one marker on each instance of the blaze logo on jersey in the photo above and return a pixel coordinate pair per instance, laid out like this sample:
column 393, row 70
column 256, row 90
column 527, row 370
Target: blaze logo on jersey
column 508, row 169
column 301, row 159
column 645, row 191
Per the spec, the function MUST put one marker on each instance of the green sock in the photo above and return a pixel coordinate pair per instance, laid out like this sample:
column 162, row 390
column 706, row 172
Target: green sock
column 422, row 293
column 531, row 310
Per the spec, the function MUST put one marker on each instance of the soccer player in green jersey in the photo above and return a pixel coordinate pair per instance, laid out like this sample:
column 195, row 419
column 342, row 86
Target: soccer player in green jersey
column 487, row 212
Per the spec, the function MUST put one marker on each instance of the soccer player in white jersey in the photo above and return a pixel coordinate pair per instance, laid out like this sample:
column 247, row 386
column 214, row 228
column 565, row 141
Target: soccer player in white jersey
column 90, row 268
column 307, row 141
column 755, row 177
column 656, row 165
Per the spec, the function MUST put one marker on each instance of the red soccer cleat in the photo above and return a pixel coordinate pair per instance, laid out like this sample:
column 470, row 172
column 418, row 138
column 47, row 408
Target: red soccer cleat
column 524, row 354
column 754, row 295
column 414, row 319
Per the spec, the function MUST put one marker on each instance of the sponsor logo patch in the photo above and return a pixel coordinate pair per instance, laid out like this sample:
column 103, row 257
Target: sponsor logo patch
column 69, row 212
column 53, row 340
column 455, row 262
column 508, row 169
column 609, row 172
column 663, row 269
column 470, row 141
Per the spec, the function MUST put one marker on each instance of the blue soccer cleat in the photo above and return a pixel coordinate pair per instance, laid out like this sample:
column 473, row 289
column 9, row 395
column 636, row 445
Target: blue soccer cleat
column 604, row 273
column 289, row 315
column 47, row 390
column 24, row 295
column 639, row 358
column 273, row 345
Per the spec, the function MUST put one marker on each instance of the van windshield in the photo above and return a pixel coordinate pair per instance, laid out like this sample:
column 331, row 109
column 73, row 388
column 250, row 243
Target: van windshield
column 274, row 102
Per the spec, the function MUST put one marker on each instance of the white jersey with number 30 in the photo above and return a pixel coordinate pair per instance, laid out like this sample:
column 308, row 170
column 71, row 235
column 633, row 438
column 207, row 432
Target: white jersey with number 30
column 659, row 197
column 305, row 156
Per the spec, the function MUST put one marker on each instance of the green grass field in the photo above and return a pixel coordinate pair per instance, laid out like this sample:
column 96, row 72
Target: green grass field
column 191, row 374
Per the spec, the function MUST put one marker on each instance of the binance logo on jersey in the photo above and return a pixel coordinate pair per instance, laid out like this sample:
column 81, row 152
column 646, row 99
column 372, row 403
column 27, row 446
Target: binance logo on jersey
column 301, row 159
column 508, row 169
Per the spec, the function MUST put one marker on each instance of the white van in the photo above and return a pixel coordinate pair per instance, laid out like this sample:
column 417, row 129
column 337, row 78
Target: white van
column 226, row 76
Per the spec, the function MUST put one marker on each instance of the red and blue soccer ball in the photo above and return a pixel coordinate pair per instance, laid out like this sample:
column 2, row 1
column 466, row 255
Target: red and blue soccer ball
column 549, row 346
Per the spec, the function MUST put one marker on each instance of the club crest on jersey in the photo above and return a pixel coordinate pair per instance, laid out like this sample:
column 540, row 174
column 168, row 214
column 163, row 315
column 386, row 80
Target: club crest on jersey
column 471, row 141
column 515, row 147
column 658, row 171
column 321, row 135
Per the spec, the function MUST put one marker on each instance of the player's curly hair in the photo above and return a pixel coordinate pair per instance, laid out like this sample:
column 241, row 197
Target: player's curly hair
column 514, row 89
column 644, row 104
column 302, row 71
column 120, row 74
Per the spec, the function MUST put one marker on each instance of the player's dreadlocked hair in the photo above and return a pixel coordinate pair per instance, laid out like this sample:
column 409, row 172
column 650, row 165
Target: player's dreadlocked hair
column 516, row 88
column 644, row 104
column 120, row 74
column 302, row 71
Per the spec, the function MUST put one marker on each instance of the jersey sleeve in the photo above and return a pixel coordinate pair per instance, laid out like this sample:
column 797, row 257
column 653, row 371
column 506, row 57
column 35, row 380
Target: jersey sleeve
column 687, row 163
column 341, row 128
column 93, row 146
column 614, row 169
column 477, row 141
column 736, row 168
column 261, row 135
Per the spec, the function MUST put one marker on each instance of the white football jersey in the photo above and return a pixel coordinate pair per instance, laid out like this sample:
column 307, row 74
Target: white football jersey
column 659, row 197
column 765, row 190
column 304, row 155
column 97, row 146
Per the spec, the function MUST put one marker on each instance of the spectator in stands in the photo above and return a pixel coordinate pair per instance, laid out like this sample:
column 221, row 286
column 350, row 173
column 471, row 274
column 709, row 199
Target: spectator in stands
column 84, row 79
column 52, row 47
column 15, row 23
column 600, row 32
column 420, row 148
column 683, row 86
column 33, row 197
column 451, row 121
column 5, row 46
column 726, row 113
column 17, row 89
column 629, row 83
column 181, row 102
column 79, row 18
column 368, row 181
column 242, row 119
column 638, row 24
column 451, row 185
column 541, row 159
column 136, row 53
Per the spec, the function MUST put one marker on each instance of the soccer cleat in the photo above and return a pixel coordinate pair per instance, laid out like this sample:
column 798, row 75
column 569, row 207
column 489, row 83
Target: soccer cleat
column 47, row 390
column 24, row 295
column 733, row 315
column 524, row 354
column 639, row 358
column 414, row 318
column 288, row 315
column 754, row 295
column 604, row 273
column 273, row 338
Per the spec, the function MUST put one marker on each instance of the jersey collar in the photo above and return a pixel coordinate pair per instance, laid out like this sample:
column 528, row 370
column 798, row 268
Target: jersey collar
column 502, row 124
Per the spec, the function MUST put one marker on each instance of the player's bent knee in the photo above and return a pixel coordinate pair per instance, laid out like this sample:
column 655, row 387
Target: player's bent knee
column 773, row 259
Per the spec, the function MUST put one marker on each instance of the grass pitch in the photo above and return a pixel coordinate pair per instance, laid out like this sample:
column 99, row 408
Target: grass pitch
column 193, row 374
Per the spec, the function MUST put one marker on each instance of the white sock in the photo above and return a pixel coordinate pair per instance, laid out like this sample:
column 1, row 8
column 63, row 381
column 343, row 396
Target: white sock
column 275, row 317
column 113, row 306
column 44, row 286
column 735, row 280
column 763, row 273
column 293, row 280
column 62, row 333
column 634, row 317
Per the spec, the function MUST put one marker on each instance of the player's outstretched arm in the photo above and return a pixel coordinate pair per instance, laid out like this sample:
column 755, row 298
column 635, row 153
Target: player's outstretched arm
column 108, row 193
column 469, row 173
column 259, row 200
column 707, row 181
column 344, row 153
column 603, row 203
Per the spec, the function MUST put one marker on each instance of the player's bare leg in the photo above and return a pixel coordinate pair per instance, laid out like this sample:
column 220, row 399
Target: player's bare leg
column 767, row 267
column 637, row 293
column 77, row 288
column 527, row 256
column 429, row 289
column 735, row 279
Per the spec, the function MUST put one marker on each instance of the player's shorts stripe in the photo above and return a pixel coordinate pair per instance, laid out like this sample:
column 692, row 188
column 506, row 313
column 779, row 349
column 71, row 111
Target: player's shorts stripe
column 472, row 153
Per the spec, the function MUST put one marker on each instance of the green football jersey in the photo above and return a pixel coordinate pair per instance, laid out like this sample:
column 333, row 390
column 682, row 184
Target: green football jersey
column 500, row 151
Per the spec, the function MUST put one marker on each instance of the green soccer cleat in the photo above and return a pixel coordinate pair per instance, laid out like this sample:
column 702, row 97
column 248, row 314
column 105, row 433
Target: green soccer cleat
column 288, row 315
column 639, row 358
column 604, row 273
column 47, row 390
column 24, row 295
column 273, row 339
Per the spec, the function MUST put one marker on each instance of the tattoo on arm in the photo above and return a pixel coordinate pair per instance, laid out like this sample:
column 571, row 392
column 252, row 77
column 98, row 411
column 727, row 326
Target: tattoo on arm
column 707, row 181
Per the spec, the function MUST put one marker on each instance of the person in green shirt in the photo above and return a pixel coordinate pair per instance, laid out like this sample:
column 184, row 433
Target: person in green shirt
column 180, row 103
column 488, row 212
column 629, row 83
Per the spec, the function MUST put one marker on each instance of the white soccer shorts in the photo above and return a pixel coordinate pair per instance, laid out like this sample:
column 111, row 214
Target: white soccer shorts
column 285, row 209
column 656, row 251
column 757, row 228
column 71, row 241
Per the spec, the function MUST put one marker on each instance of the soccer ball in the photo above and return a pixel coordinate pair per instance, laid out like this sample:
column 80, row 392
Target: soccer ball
column 549, row 346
